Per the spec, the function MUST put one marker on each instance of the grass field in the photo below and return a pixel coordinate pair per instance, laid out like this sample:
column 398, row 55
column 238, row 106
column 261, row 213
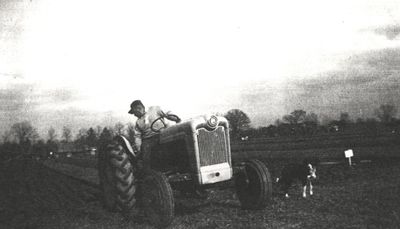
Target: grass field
column 64, row 193
column 365, row 196
column 329, row 147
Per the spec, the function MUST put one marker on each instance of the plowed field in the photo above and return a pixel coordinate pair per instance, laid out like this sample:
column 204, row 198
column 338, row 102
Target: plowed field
column 33, row 195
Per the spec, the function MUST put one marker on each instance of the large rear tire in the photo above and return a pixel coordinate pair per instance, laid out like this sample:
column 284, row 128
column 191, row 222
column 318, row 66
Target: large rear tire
column 254, row 185
column 117, row 179
column 105, row 175
column 157, row 198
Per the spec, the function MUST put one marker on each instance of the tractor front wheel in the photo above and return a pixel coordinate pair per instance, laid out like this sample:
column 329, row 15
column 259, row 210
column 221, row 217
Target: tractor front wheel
column 157, row 198
column 254, row 185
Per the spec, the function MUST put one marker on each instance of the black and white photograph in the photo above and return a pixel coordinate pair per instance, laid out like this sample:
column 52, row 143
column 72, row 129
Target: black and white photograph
column 199, row 114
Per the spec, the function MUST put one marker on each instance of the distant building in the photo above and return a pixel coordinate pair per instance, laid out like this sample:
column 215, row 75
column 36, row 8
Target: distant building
column 92, row 151
column 69, row 148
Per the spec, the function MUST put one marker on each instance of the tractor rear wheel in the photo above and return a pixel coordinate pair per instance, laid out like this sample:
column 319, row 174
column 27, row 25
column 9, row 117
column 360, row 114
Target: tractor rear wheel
column 117, row 179
column 254, row 185
column 157, row 198
column 106, row 175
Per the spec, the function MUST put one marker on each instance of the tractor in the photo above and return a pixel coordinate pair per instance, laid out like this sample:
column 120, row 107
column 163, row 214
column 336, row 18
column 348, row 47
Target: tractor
column 192, row 155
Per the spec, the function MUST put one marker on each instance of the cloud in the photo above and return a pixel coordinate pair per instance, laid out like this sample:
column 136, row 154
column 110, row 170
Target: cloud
column 15, row 97
column 357, row 70
column 261, row 101
column 27, row 101
column 49, row 107
column 384, row 60
column 362, row 83
column 11, row 75
column 19, row 97
column 58, row 97
column 390, row 31
column 15, row 104
column 358, row 86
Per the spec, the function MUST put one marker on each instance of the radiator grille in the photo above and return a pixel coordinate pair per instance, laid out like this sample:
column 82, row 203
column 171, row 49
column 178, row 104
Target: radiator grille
column 212, row 146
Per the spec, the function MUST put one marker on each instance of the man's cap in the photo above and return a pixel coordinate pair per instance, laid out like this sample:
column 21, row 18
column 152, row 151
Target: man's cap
column 134, row 104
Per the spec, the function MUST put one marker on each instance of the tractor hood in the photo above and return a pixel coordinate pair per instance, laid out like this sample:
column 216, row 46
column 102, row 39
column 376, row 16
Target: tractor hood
column 190, row 127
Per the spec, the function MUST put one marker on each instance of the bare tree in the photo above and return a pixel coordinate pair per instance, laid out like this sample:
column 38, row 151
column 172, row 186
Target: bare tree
column 105, row 138
column 119, row 128
column 25, row 135
column 51, row 134
column 82, row 133
column 344, row 118
column 24, row 132
column 296, row 117
column 238, row 121
column 311, row 124
column 386, row 113
column 91, row 139
column 7, row 136
column 311, row 118
column 67, row 134
column 106, row 135
column 81, row 137
column 99, row 129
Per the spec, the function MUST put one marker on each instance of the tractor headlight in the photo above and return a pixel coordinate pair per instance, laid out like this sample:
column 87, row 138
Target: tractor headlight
column 212, row 122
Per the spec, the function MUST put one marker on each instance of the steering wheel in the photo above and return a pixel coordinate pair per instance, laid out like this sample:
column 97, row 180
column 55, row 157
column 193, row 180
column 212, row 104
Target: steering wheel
column 168, row 116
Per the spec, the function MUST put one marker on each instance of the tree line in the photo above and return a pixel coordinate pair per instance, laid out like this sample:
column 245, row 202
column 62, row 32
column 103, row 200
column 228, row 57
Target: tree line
column 301, row 123
column 23, row 138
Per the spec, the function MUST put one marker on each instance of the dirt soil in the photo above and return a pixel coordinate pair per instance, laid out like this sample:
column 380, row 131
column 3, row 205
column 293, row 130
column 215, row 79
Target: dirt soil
column 33, row 195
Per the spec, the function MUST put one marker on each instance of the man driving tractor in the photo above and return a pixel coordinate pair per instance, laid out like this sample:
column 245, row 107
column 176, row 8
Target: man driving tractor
column 147, row 125
column 188, row 157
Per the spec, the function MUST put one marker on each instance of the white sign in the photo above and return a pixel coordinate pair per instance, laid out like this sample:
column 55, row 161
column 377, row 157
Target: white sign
column 348, row 153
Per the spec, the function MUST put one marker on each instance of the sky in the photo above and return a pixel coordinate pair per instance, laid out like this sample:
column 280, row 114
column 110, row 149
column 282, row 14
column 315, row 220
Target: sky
column 80, row 63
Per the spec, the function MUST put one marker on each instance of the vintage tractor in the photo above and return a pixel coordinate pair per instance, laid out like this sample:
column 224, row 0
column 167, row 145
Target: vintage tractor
column 191, row 155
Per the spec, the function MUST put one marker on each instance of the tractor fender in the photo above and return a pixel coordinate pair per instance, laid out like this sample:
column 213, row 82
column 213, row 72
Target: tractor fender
column 125, row 144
